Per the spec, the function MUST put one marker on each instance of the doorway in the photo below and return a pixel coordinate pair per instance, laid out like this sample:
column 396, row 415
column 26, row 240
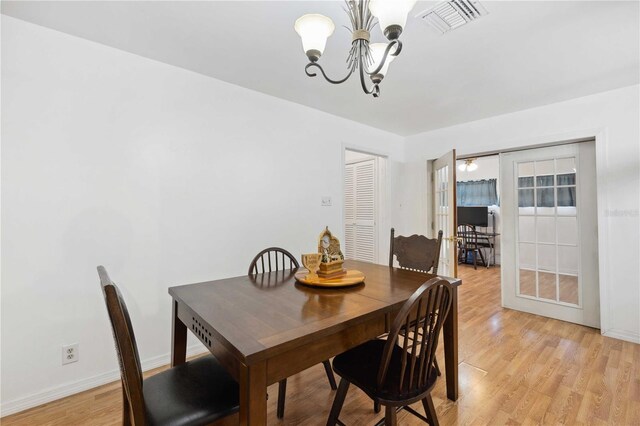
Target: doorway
column 478, row 222
column 543, row 220
column 478, row 210
column 550, row 233
column 363, row 203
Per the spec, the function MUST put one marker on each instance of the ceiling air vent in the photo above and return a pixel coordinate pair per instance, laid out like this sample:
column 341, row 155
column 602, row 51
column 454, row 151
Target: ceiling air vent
column 449, row 15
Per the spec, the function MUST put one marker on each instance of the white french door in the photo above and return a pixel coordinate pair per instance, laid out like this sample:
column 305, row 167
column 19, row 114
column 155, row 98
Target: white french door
column 444, row 211
column 550, row 234
column 360, row 211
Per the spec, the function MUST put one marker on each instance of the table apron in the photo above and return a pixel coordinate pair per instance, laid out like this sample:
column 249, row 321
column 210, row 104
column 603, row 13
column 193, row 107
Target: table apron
column 288, row 363
column 202, row 331
column 298, row 359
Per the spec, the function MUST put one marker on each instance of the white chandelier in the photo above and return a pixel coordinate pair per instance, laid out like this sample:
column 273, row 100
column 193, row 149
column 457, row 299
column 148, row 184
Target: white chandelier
column 468, row 165
column 371, row 59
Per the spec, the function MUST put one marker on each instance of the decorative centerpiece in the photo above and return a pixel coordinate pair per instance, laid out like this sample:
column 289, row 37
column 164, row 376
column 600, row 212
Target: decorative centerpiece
column 325, row 268
column 332, row 257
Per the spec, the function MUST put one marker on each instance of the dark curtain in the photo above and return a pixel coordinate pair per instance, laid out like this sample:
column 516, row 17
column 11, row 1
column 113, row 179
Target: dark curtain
column 477, row 193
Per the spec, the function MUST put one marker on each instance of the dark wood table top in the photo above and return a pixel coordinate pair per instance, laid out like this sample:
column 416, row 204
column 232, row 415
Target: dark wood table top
column 259, row 316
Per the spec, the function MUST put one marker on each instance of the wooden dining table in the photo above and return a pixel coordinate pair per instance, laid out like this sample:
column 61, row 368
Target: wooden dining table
column 265, row 327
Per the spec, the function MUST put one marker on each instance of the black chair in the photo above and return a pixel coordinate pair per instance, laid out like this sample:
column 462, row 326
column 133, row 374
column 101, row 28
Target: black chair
column 274, row 259
column 393, row 372
column 416, row 253
column 198, row 392
column 468, row 245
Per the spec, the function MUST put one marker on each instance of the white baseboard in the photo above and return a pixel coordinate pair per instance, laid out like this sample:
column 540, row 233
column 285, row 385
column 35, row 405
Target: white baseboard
column 71, row 388
column 622, row 335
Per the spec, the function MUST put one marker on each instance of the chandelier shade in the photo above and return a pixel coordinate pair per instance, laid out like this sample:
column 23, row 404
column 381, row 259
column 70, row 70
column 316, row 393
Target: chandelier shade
column 392, row 15
column 377, row 54
column 314, row 30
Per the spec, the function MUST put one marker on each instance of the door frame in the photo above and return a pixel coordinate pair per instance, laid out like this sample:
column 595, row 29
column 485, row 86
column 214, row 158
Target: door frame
column 600, row 136
column 381, row 217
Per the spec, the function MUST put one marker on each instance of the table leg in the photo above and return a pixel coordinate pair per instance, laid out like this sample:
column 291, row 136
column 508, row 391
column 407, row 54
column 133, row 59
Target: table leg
column 451, row 347
column 178, row 338
column 253, row 394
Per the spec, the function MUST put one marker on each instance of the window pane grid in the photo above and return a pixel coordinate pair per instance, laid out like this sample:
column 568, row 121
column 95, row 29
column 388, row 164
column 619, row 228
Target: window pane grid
column 442, row 214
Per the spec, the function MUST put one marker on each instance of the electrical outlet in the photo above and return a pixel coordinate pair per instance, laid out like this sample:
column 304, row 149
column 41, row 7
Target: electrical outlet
column 70, row 353
column 325, row 202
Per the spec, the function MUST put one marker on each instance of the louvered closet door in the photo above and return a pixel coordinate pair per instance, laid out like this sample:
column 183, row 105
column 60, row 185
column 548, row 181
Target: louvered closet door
column 360, row 209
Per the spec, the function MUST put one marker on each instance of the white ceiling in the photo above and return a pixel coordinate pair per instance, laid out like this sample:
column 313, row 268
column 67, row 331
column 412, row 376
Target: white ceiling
column 523, row 54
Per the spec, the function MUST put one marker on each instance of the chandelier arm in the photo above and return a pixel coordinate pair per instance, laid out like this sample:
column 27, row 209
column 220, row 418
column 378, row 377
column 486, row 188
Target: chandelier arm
column 312, row 74
column 375, row 90
column 396, row 52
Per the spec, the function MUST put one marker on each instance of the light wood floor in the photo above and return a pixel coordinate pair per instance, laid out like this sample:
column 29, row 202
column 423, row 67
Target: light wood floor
column 515, row 368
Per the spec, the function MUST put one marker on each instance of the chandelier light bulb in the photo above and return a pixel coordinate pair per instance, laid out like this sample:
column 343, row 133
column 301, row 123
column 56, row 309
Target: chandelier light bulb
column 472, row 167
column 314, row 30
column 392, row 15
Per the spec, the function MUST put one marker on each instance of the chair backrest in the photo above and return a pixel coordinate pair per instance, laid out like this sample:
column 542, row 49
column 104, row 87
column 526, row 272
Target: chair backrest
column 272, row 259
column 423, row 315
column 126, row 347
column 417, row 252
column 468, row 235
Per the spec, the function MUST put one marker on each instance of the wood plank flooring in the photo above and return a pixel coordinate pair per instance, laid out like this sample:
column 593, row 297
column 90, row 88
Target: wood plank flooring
column 515, row 368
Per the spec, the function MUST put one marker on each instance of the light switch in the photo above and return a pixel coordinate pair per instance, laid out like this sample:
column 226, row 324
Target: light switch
column 325, row 202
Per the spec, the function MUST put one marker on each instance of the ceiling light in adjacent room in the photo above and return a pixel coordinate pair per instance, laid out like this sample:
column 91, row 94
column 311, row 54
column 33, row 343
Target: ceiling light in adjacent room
column 468, row 165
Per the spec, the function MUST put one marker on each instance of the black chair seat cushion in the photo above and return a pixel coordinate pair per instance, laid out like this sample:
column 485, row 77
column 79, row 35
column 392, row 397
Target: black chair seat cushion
column 198, row 392
column 360, row 366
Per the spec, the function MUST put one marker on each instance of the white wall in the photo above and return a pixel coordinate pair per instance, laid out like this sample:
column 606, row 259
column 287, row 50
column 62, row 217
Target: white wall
column 162, row 175
column 615, row 117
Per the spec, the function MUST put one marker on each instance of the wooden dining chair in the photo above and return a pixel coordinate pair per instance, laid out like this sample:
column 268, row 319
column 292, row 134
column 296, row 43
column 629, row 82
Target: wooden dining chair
column 416, row 253
column 274, row 259
column 198, row 392
column 393, row 372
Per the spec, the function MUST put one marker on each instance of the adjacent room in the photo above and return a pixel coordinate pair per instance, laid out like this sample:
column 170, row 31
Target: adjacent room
column 360, row 212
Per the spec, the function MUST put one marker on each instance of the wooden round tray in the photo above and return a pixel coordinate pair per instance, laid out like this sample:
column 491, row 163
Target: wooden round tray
column 351, row 278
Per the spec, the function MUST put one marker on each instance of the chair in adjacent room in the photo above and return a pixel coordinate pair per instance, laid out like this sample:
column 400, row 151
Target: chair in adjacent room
column 468, row 245
column 416, row 253
column 198, row 392
column 274, row 259
column 393, row 372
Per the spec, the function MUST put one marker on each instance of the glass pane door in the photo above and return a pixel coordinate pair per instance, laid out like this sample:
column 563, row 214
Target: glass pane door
column 444, row 211
column 547, row 231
